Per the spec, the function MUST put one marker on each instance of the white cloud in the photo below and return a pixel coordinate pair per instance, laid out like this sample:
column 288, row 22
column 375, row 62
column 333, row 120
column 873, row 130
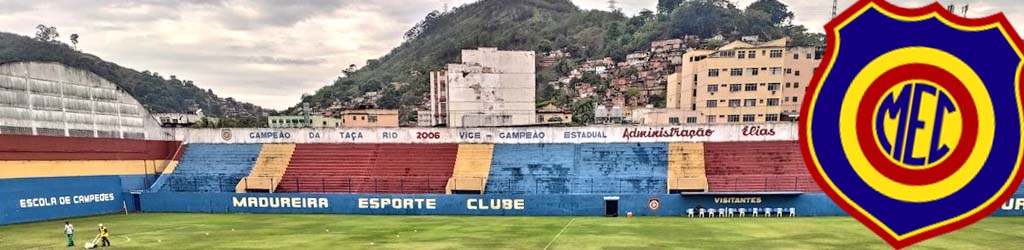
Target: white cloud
column 269, row 52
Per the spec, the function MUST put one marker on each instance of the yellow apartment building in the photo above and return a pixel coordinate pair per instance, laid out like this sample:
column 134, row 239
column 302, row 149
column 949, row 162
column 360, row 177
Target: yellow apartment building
column 370, row 118
column 742, row 83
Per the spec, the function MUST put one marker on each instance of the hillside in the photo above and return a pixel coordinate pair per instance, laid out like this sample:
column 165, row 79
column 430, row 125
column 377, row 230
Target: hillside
column 157, row 93
column 543, row 26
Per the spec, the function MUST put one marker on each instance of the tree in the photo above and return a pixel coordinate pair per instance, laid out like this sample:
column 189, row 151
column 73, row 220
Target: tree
column 47, row 34
column 632, row 91
column 705, row 18
column 351, row 69
column 583, row 111
column 74, row 40
column 778, row 13
column 667, row 6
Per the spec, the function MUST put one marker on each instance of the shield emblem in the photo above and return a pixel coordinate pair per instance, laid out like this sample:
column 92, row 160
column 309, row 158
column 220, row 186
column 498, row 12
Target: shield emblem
column 913, row 122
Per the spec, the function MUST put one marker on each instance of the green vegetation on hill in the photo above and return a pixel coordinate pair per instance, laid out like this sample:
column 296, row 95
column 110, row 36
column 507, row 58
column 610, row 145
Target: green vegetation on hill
column 157, row 93
column 543, row 26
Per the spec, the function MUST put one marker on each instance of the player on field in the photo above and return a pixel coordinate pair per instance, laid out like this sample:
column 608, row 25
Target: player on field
column 69, row 230
column 104, row 236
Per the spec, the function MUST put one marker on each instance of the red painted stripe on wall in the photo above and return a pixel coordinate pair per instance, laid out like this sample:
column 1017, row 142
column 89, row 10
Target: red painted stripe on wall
column 21, row 147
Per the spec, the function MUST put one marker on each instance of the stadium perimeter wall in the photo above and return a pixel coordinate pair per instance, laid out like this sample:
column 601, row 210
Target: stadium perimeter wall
column 527, row 205
column 807, row 204
column 516, row 135
column 44, row 177
column 37, row 199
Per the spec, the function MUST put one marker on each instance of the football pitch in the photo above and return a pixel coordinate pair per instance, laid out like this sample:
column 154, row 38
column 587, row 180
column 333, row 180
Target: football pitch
column 294, row 231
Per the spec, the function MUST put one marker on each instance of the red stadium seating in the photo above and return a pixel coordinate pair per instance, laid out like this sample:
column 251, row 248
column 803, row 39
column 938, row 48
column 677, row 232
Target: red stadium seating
column 369, row 168
column 757, row 167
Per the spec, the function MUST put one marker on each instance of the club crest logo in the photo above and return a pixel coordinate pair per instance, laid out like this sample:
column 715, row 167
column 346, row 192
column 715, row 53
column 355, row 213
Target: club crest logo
column 225, row 134
column 913, row 123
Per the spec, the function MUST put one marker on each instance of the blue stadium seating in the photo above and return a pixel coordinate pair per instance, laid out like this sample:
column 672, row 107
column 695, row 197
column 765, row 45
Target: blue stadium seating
column 625, row 168
column 212, row 168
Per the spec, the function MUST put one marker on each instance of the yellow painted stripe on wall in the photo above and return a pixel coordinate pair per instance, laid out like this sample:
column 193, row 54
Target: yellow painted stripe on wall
column 472, row 166
column 34, row 169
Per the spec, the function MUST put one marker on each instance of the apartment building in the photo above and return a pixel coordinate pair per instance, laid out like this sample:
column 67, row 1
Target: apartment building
column 742, row 82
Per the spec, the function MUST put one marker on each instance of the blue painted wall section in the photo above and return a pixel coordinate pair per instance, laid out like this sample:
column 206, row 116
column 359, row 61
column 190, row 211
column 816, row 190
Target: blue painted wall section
column 212, row 167
column 36, row 199
column 578, row 168
column 532, row 205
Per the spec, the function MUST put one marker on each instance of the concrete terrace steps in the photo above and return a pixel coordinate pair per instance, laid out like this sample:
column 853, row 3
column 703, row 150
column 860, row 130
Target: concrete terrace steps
column 370, row 168
column 757, row 167
column 471, row 168
column 212, row 167
column 578, row 168
column 268, row 169
column 686, row 170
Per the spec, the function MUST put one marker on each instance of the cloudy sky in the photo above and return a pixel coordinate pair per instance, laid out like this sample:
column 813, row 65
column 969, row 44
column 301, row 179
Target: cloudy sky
column 270, row 52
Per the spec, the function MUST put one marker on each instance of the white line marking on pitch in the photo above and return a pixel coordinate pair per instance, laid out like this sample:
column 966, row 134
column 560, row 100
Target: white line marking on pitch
column 559, row 233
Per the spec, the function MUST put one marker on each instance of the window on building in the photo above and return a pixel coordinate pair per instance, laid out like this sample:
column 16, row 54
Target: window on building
column 748, row 118
column 788, row 85
column 776, row 53
column 750, row 103
column 795, row 99
column 797, row 73
column 735, row 87
column 673, row 120
column 734, row 118
column 796, row 85
column 753, row 71
column 773, row 86
column 772, row 102
column 753, row 54
column 729, row 54
column 771, row 117
column 741, row 54
column 713, row 88
column 809, row 55
column 796, row 56
column 734, row 103
column 712, row 104
column 325, row 123
column 711, row 119
column 736, row 72
column 713, row 73
column 776, row 70
column 750, row 87
column 373, row 119
column 789, row 71
column 691, row 120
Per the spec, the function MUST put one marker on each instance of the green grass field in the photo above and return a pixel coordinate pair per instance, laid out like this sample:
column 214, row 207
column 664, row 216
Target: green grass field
column 293, row 231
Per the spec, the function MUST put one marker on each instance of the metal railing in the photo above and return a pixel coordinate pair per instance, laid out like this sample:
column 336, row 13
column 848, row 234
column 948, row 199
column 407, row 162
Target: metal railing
column 785, row 183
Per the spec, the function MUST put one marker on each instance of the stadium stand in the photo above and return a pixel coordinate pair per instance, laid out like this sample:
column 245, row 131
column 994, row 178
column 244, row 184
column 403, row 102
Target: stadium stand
column 472, row 166
column 756, row 167
column 268, row 170
column 46, row 156
column 578, row 169
column 686, row 168
column 370, row 168
column 212, row 167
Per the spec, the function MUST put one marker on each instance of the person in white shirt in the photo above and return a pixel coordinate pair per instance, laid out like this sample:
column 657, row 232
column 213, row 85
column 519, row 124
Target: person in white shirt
column 70, row 231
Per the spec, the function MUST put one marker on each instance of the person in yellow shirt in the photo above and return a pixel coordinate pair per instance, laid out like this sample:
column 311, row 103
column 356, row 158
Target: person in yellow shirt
column 104, row 236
